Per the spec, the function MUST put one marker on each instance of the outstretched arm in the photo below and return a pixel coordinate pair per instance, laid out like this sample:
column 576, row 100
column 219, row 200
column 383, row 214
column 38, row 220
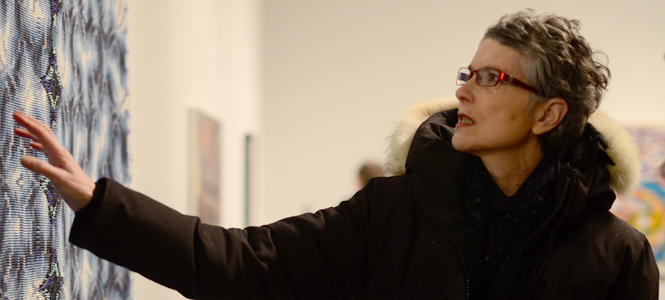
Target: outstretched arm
column 69, row 180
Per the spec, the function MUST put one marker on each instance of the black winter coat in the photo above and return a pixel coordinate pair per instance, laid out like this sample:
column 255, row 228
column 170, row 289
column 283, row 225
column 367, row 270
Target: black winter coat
column 400, row 237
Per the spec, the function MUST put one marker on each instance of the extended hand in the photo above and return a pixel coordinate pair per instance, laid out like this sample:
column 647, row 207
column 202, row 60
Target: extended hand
column 73, row 185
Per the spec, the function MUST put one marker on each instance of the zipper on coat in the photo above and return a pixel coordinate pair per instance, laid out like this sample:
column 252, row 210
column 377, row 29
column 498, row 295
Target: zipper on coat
column 555, row 229
column 467, row 282
column 460, row 253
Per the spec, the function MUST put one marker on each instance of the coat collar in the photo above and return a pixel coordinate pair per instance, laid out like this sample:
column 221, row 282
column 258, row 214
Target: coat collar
column 625, row 173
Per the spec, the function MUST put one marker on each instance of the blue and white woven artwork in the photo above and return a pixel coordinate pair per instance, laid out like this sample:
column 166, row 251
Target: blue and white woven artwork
column 62, row 62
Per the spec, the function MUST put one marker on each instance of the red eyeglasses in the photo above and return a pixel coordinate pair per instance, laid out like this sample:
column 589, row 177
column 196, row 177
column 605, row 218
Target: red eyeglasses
column 491, row 77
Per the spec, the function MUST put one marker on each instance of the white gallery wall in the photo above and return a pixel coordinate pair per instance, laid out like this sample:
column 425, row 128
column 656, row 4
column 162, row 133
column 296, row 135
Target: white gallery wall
column 320, row 84
column 201, row 54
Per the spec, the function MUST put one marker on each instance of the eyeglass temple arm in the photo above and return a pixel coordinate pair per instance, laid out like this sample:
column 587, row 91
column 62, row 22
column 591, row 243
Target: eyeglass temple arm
column 523, row 85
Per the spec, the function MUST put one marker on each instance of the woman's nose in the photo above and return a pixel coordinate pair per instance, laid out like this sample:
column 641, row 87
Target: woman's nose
column 464, row 92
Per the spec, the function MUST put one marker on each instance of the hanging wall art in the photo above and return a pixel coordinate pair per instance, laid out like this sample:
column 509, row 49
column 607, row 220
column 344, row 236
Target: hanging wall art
column 204, row 170
column 62, row 62
column 644, row 209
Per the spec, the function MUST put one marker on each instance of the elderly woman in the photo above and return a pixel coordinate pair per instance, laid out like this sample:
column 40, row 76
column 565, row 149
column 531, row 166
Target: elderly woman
column 506, row 197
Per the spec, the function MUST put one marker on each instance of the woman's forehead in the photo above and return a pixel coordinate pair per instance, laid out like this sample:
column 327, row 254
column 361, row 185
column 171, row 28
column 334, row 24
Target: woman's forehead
column 492, row 54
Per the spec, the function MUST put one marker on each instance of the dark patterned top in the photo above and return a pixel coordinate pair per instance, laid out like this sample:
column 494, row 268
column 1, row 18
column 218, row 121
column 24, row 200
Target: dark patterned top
column 498, row 226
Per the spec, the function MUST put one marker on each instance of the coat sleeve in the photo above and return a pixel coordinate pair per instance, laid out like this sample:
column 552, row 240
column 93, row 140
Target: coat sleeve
column 312, row 256
column 640, row 278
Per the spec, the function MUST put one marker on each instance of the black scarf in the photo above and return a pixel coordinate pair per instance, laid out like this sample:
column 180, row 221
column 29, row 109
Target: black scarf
column 496, row 237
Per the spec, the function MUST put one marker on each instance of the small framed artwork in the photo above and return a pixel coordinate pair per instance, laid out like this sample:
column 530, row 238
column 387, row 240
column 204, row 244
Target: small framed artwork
column 249, row 154
column 204, row 167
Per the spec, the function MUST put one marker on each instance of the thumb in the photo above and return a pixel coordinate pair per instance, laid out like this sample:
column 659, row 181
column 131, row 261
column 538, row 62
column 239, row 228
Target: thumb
column 74, row 187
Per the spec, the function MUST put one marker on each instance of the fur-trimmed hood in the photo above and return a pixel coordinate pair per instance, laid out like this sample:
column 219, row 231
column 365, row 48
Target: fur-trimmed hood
column 625, row 174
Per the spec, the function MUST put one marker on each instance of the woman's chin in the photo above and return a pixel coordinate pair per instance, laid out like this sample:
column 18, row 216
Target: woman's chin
column 459, row 144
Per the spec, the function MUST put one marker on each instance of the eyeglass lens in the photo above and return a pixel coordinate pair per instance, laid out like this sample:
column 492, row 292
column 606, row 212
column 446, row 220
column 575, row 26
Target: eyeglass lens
column 484, row 77
column 463, row 75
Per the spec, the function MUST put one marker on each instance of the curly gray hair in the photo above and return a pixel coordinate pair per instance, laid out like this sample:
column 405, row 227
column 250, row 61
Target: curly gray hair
column 560, row 63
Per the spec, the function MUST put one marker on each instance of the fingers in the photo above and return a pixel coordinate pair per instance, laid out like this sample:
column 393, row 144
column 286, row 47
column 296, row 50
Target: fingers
column 34, row 127
column 34, row 144
column 24, row 133
column 39, row 166
column 37, row 131
column 37, row 146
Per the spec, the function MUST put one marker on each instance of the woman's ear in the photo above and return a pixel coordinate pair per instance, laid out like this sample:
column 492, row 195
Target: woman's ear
column 549, row 114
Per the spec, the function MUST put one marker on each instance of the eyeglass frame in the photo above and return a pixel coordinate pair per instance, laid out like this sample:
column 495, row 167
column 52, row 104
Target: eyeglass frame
column 503, row 76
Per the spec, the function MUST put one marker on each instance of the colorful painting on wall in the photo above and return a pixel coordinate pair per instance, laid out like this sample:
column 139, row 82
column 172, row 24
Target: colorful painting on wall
column 204, row 165
column 62, row 62
column 644, row 209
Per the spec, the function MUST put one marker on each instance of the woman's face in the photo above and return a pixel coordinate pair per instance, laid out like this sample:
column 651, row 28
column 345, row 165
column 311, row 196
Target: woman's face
column 494, row 120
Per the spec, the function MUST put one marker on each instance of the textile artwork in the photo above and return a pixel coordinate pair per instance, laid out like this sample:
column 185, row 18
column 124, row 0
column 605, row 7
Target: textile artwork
column 62, row 62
